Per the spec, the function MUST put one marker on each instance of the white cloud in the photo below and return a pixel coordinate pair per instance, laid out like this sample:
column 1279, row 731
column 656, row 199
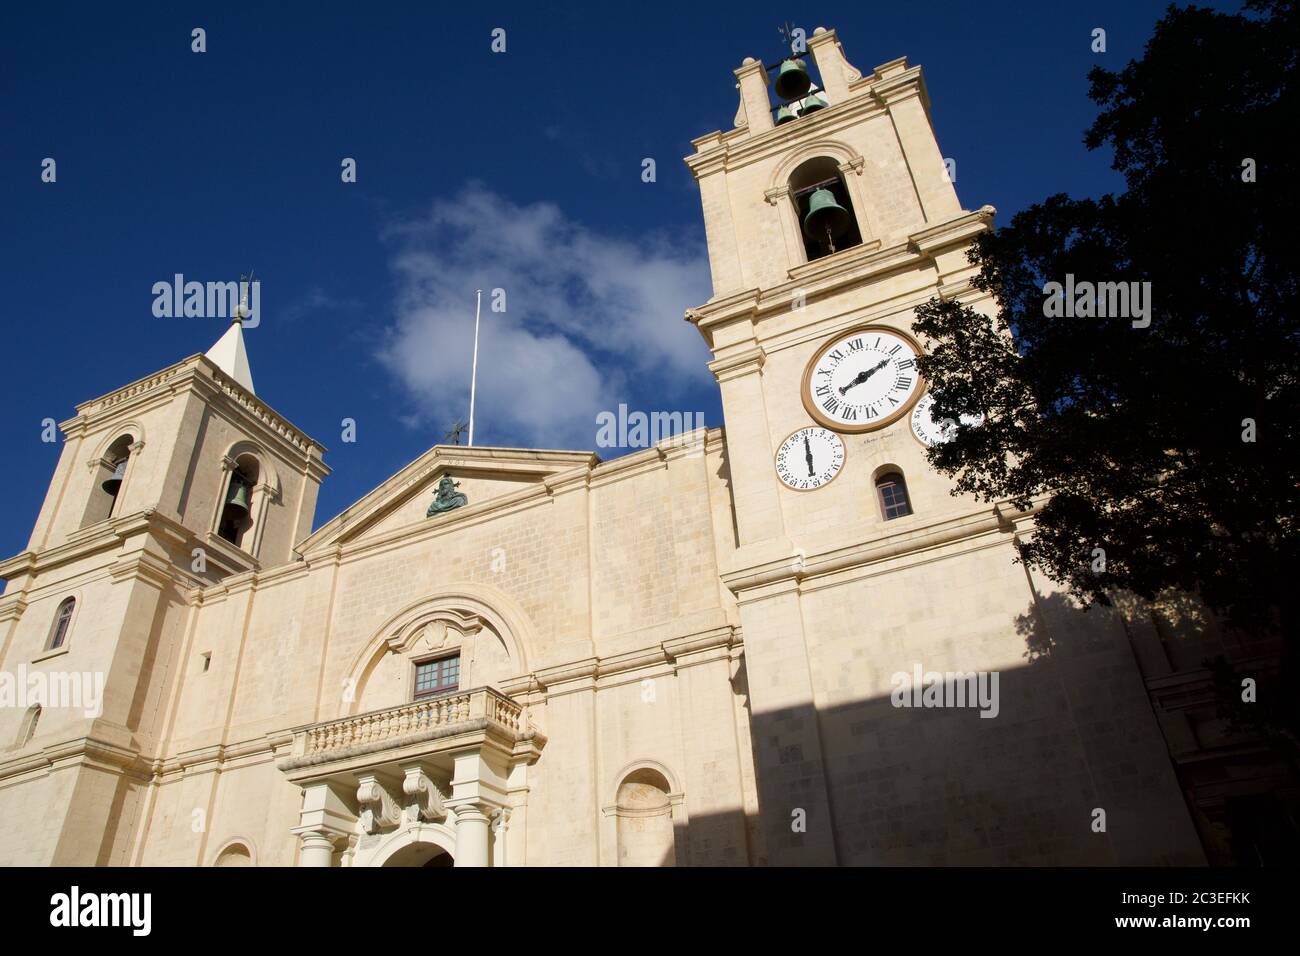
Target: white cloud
column 588, row 318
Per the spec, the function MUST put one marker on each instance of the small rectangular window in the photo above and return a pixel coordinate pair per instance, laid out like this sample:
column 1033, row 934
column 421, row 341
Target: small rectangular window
column 437, row 677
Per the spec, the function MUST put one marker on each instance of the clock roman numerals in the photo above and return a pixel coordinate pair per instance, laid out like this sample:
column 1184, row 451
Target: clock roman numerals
column 862, row 380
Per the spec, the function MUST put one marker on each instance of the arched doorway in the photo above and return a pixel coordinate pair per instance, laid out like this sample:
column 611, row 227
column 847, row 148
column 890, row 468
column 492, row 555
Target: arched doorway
column 420, row 854
column 422, row 844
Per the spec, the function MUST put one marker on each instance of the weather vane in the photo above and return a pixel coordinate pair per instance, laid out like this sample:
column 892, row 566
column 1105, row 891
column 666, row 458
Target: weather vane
column 457, row 429
column 787, row 30
column 245, row 284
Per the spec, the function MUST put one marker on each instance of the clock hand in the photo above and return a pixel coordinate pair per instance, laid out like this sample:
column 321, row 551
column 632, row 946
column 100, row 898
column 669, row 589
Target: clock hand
column 863, row 376
column 807, row 455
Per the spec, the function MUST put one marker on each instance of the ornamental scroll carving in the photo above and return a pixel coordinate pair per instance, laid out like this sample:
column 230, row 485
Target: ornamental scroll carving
column 385, row 805
column 424, row 800
column 378, row 808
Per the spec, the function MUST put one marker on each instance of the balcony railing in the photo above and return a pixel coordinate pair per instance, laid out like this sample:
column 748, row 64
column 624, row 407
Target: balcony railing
column 409, row 722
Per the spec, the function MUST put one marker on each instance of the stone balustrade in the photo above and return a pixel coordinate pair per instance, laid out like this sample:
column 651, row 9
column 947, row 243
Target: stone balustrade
column 419, row 719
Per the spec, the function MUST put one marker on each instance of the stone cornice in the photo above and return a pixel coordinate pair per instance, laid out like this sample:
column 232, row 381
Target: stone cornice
column 954, row 232
column 105, row 536
column 89, row 750
column 669, row 654
column 194, row 373
column 593, row 672
column 868, row 95
column 832, row 274
column 792, row 570
column 738, row 364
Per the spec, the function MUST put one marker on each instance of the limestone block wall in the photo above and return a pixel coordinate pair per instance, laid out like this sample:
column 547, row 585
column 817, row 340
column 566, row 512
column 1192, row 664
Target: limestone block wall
column 28, row 836
column 1074, row 730
column 604, row 567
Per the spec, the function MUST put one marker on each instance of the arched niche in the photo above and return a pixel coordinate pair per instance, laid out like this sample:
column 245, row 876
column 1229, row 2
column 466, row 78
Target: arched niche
column 237, row 852
column 645, row 817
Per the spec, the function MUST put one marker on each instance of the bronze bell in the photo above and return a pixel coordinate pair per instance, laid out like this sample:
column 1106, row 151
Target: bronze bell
column 237, row 499
column 785, row 114
column 792, row 80
column 827, row 220
column 811, row 104
column 113, row 483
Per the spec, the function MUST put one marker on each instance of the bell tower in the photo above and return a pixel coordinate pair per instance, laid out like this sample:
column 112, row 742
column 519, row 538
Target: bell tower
column 828, row 207
column 178, row 480
column 831, row 215
column 839, row 210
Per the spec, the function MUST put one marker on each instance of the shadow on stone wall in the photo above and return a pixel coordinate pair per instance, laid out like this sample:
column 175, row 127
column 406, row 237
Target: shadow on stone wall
column 874, row 783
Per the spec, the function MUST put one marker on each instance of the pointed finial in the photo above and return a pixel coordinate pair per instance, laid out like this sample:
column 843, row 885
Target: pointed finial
column 242, row 311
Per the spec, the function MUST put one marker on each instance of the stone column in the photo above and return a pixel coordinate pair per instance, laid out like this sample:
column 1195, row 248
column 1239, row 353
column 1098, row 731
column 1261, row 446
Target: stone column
column 326, row 818
column 472, row 835
column 317, row 847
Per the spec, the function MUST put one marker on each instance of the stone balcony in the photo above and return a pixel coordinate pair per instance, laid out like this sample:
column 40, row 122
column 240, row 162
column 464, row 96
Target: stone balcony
column 407, row 771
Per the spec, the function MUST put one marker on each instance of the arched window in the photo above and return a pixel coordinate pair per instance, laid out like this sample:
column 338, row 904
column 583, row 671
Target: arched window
column 27, row 730
column 62, row 621
column 891, row 489
column 821, row 202
column 236, row 521
column 108, row 480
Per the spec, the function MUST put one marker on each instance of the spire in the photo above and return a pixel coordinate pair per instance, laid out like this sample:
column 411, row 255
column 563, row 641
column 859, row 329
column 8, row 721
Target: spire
column 229, row 353
column 231, row 357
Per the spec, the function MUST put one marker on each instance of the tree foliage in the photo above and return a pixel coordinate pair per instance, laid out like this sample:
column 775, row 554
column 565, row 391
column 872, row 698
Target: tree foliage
column 1137, row 433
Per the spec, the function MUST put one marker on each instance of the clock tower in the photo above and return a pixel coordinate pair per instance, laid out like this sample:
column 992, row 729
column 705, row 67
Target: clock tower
column 831, row 214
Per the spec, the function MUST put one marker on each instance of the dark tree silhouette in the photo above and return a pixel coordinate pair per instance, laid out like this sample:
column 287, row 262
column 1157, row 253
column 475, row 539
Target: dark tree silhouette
column 1143, row 436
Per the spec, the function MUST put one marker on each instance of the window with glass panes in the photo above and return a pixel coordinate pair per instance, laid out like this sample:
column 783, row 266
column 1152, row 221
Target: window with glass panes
column 436, row 677
column 893, row 496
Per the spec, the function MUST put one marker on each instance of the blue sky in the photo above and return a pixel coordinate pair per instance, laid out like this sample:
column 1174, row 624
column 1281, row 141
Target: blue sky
column 519, row 170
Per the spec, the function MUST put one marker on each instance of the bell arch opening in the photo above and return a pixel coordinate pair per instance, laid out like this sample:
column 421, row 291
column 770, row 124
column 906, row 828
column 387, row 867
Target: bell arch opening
column 109, row 477
column 237, row 518
column 827, row 220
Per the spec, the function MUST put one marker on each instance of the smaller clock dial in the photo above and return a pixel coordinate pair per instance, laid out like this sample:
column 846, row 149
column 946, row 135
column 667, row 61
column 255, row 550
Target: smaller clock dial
column 809, row 458
column 930, row 432
column 863, row 379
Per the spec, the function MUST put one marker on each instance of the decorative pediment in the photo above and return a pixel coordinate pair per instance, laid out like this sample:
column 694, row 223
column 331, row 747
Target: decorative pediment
column 445, row 627
column 486, row 478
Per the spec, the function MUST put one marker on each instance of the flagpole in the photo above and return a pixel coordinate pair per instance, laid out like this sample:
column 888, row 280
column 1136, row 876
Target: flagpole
column 473, row 375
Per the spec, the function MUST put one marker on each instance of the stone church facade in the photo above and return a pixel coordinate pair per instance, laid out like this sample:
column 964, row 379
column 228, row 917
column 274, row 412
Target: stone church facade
column 672, row 658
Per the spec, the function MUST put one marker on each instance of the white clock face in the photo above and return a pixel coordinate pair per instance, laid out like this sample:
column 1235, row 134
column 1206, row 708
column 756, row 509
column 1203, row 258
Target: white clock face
column 809, row 458
column 862, row 379
column 930, row 432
